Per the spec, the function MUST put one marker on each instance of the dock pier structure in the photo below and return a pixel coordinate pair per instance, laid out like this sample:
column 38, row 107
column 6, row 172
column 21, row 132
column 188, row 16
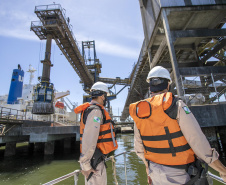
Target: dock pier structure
column 39, row 135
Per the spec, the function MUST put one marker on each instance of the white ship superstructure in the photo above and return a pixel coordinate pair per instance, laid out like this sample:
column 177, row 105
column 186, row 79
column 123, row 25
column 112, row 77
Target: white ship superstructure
column 23, row 106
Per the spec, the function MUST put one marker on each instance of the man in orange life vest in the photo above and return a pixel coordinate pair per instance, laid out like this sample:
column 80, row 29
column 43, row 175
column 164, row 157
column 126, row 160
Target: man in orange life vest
column 97, row 136
column 167, row 135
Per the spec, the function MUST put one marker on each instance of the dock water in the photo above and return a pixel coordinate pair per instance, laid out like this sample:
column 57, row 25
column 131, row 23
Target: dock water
column 38, row 169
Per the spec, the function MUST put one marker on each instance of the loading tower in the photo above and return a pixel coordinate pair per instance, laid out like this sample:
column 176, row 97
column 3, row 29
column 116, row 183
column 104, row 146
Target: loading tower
column 92, row 62
column 53, row 24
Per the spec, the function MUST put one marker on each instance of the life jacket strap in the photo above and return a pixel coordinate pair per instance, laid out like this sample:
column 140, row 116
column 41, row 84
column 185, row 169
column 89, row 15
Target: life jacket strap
column 105, row 140
column 112, row 135
column 168, row 135
column 107, row 121
column 104, row 132
column 168, row 150
column 173, row 109
column 101, row 133
column 162, row 137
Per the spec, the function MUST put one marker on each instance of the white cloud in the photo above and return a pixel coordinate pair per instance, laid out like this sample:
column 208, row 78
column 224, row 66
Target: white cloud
column 111, row 48
column 16, row 23
column 19, row 34
column 118, row 50
column 89, row 23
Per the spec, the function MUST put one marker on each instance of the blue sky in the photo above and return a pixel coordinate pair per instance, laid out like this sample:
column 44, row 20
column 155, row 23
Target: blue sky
column 115, row 26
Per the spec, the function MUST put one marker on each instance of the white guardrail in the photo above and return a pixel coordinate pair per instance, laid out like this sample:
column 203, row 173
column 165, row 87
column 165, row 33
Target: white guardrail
column 76, row 173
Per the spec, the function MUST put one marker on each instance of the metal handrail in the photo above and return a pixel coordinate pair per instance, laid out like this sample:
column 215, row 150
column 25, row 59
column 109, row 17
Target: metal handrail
column 76, row 172
column 215, row 177
column 48, row 7
column 6, row 114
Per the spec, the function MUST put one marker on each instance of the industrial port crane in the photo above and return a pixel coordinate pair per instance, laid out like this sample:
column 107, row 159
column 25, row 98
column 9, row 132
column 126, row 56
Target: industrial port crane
column 55, row 25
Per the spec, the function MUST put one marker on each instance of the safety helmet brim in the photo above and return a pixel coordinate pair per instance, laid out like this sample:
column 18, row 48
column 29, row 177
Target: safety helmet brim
column 100, row 86
column 159, row 72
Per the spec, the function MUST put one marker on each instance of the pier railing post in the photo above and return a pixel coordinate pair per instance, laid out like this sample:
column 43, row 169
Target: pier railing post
column 215, row 87
column 125, row 167
column 76, row 177
column 9, row 113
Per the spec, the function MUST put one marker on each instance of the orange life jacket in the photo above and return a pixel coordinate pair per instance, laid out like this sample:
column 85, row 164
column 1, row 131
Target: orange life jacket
column 163, row 141
column 106, row 140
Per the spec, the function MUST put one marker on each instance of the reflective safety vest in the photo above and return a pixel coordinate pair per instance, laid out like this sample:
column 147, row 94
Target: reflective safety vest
column 163, row 141
column 106, row 140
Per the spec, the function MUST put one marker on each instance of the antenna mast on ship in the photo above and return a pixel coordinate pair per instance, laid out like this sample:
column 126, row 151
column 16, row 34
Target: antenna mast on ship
column 31, row 71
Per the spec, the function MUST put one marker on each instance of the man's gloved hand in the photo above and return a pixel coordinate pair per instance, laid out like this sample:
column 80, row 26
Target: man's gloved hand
column 86, row 173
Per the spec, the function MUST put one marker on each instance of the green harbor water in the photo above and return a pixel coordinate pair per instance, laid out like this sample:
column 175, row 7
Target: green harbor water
column 25, row 169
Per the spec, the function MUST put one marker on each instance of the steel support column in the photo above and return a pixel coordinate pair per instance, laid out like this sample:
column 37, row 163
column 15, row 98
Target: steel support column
column 149, row 57
column 10, row 149
column 144, row 23
column 172, row 53
column 46, row 62
column 49, row 148
column 158, row 53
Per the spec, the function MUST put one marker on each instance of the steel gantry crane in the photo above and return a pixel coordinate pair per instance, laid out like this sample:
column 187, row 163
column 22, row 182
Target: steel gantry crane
column 55, row 25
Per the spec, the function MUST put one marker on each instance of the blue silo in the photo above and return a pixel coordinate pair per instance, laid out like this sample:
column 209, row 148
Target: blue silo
column 16, row 86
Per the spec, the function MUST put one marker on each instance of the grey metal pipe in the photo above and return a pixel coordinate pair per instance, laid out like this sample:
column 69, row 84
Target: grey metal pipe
column 125, row 166
column 214, row 86
column 216, row 178
column 74, row 173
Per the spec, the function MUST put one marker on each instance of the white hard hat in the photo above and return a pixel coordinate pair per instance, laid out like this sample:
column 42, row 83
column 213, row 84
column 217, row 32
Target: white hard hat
column 100, row 86
column 158, row 72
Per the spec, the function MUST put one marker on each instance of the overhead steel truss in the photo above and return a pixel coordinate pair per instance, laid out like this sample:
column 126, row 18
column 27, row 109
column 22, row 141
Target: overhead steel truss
column 182, row 38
